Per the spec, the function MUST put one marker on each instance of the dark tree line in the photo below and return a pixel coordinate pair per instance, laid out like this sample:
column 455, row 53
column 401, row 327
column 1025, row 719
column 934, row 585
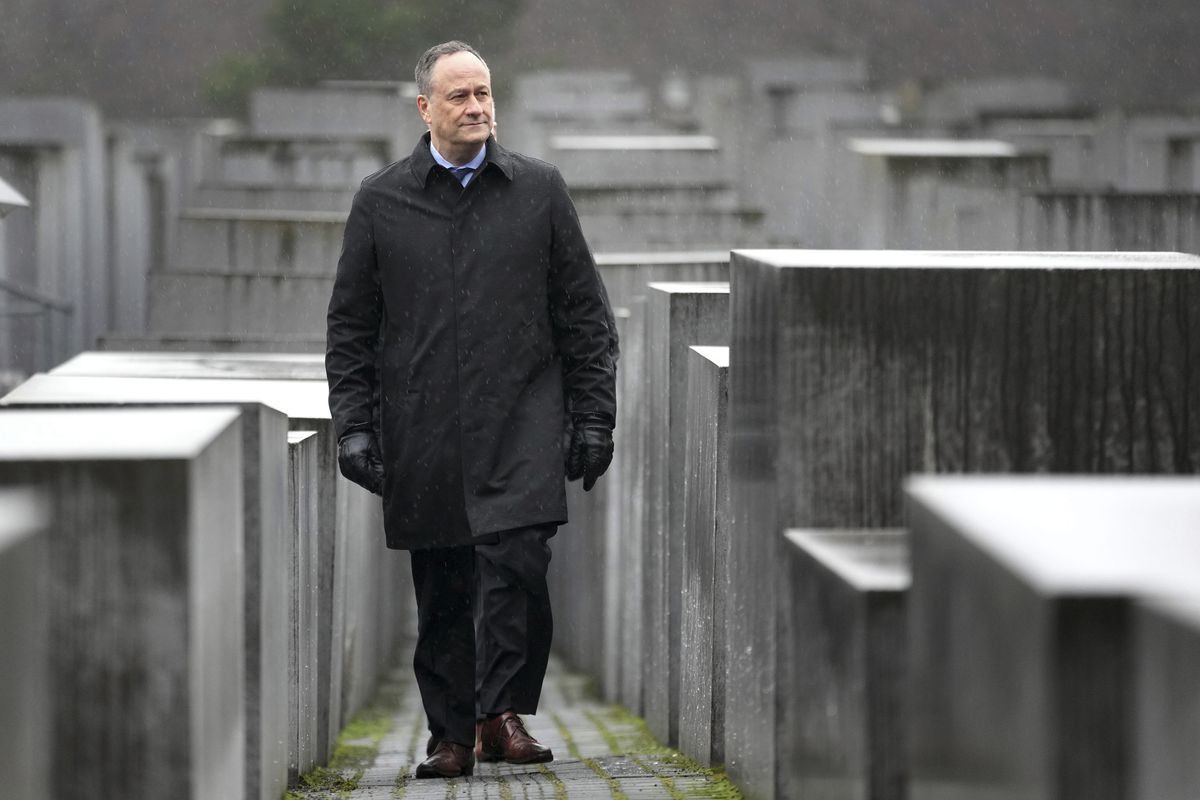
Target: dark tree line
column 312, row 40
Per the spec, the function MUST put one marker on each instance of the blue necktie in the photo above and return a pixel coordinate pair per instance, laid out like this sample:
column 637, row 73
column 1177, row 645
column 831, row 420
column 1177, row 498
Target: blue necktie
column 462, row 173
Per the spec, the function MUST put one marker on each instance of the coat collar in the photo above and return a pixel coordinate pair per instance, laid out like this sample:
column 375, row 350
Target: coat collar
column 422, row 162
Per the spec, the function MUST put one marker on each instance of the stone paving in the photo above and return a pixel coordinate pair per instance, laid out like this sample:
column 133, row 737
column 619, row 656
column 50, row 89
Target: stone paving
column 600, row 752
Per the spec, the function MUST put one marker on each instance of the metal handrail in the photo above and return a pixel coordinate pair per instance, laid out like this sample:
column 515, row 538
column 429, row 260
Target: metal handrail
column 54, row 315
column 35, row 296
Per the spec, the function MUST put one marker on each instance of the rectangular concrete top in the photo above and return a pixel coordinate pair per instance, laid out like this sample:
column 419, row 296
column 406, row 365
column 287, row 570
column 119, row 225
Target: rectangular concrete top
column 659, row 258
column 23, row 512
column 717, row 355
column 874, row 560
column 934, row 148
column 955, row 259
column 11, row 197
column 1117, row 536
column 1183, row 610
column 296, row 399
column 116, row 434
column 634, row 142
column 259, row 366
column 690, row 287
column 264, row 215
column 296, row 437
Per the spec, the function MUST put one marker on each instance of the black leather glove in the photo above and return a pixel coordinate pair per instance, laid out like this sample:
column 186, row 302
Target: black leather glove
column 359, row 460
column 591, row 449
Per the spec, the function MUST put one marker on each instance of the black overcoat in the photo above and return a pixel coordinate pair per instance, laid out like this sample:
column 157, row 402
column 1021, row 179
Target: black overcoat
column 458, row 318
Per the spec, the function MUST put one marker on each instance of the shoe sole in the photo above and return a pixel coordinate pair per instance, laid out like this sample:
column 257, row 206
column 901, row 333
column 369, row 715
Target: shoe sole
column 433, row 773
column 489, row 759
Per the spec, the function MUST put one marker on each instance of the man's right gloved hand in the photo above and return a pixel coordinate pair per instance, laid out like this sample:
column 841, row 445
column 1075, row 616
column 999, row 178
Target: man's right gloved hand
column 359, row 460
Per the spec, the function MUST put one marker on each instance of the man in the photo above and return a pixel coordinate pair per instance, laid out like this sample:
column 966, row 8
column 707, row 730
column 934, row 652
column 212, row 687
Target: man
column 467, row 318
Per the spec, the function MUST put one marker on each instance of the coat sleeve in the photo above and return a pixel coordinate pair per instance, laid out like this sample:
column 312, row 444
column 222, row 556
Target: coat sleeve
column 352, row 337
column 584, row 329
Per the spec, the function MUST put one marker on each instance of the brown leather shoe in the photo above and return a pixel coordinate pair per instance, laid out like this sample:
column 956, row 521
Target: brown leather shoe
column 448, row 760
column 432, row 744
column 504, row 738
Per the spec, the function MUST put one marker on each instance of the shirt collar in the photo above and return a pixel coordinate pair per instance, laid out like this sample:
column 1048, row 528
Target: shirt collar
column 422, row 159
column 473, row 163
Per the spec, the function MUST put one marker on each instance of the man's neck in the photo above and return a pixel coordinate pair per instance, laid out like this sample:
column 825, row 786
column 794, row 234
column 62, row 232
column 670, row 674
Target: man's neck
column 459, row 156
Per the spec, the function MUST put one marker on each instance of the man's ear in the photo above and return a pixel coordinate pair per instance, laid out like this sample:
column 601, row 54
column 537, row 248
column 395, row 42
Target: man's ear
column 423, row 107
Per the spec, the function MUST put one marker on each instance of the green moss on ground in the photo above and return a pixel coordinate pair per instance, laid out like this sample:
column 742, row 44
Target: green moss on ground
column 640, row 745
column 356, row 748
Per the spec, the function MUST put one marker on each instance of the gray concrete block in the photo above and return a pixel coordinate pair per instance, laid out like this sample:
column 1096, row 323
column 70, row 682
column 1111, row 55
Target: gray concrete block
column 840, row 665
column 621, row 162
column 25, row 700
column 1022, row 632
column 382, row 111
column 705, row 556
column 264, row 525
column 351, row 552
column 851, row 369
column 62, row 144
column 360, row 628
column 213, row 342
column 678, row 315
column 247, row 242
column 1105, row 220
column 626, row 277
column 266, row 198
column 579, row 580
column 145, row 602
column 943, row 193
column 257, row 306
column 296, row 163
column 1167, row 705
column 258, row 366
column 304, row 604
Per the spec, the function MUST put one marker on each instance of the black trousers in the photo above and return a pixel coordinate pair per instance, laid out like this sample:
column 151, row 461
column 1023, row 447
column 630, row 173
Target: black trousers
column 483, row 628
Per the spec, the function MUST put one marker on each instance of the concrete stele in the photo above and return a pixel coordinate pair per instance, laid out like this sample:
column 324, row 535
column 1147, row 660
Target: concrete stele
column 1022, row 643
column 264, row 527
column 678, row 316
column 24, row 657
column 304, row 604
column 840, row 663
column 1167, row 705
column 704, row 556
column 852, row 369
column 146, row 642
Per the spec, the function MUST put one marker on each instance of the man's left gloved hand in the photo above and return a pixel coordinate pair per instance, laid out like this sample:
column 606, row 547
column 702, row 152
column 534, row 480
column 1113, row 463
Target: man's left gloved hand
column 359, row 460
column 591, row 448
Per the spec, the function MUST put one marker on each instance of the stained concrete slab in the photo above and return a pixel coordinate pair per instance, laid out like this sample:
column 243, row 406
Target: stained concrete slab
column 851, row 369
column 1023, row 647
column 304, row 604
column 360, row 628
column 25, row 700
column 678, row 315
column 134, row 364
column 264, row 525
column 626, row 277
column 1167, row 705
column 841, row 665
column 704, row 556
column 145, row 596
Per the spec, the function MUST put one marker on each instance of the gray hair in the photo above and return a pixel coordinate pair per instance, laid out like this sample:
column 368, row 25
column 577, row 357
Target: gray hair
column 424, row 70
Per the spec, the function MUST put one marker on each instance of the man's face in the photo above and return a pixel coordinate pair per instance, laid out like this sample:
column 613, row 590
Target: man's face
column 459, row 108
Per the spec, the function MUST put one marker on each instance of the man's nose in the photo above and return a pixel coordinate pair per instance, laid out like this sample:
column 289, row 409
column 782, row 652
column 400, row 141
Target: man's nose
column 474, row 106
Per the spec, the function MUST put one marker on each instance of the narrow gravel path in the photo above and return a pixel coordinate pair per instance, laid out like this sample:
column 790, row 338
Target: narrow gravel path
column 600, row 752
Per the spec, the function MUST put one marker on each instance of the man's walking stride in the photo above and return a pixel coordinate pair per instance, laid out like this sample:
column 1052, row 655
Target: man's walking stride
column 467, row 318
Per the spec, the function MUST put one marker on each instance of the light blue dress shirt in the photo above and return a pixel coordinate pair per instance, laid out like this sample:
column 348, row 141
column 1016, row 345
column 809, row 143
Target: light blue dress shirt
column 474, row 163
